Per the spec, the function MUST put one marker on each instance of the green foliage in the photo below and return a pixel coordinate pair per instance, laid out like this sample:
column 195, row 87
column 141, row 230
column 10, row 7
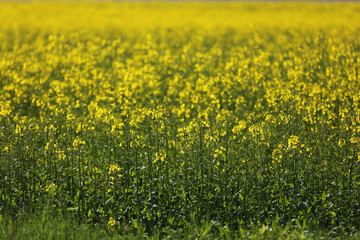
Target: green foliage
column 44, row 226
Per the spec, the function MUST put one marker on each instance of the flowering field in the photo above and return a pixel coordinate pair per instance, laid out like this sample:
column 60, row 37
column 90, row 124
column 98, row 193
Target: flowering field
column 147, row 116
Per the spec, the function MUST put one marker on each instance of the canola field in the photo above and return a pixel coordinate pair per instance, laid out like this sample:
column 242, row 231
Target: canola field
column 123, row 115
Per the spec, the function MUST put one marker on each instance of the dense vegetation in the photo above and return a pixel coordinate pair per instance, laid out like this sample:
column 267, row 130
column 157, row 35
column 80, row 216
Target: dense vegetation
column 180, row 119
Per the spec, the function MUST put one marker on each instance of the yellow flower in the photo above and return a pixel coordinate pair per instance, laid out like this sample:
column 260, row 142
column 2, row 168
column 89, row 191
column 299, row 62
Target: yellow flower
column 341, row 142
column 355, row 139
column 114, row 168
column 111, row 222
column 238, row 128
column 78, row 142
column 51, row 188
column 293, row 141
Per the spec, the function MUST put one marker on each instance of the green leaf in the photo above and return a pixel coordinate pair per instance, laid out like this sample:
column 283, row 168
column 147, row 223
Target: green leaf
column 224, row 156
column 262, row 230
column 241, row 196
column 309, row 209
column 323, row 197
column 171, row 220
column 72, row 209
